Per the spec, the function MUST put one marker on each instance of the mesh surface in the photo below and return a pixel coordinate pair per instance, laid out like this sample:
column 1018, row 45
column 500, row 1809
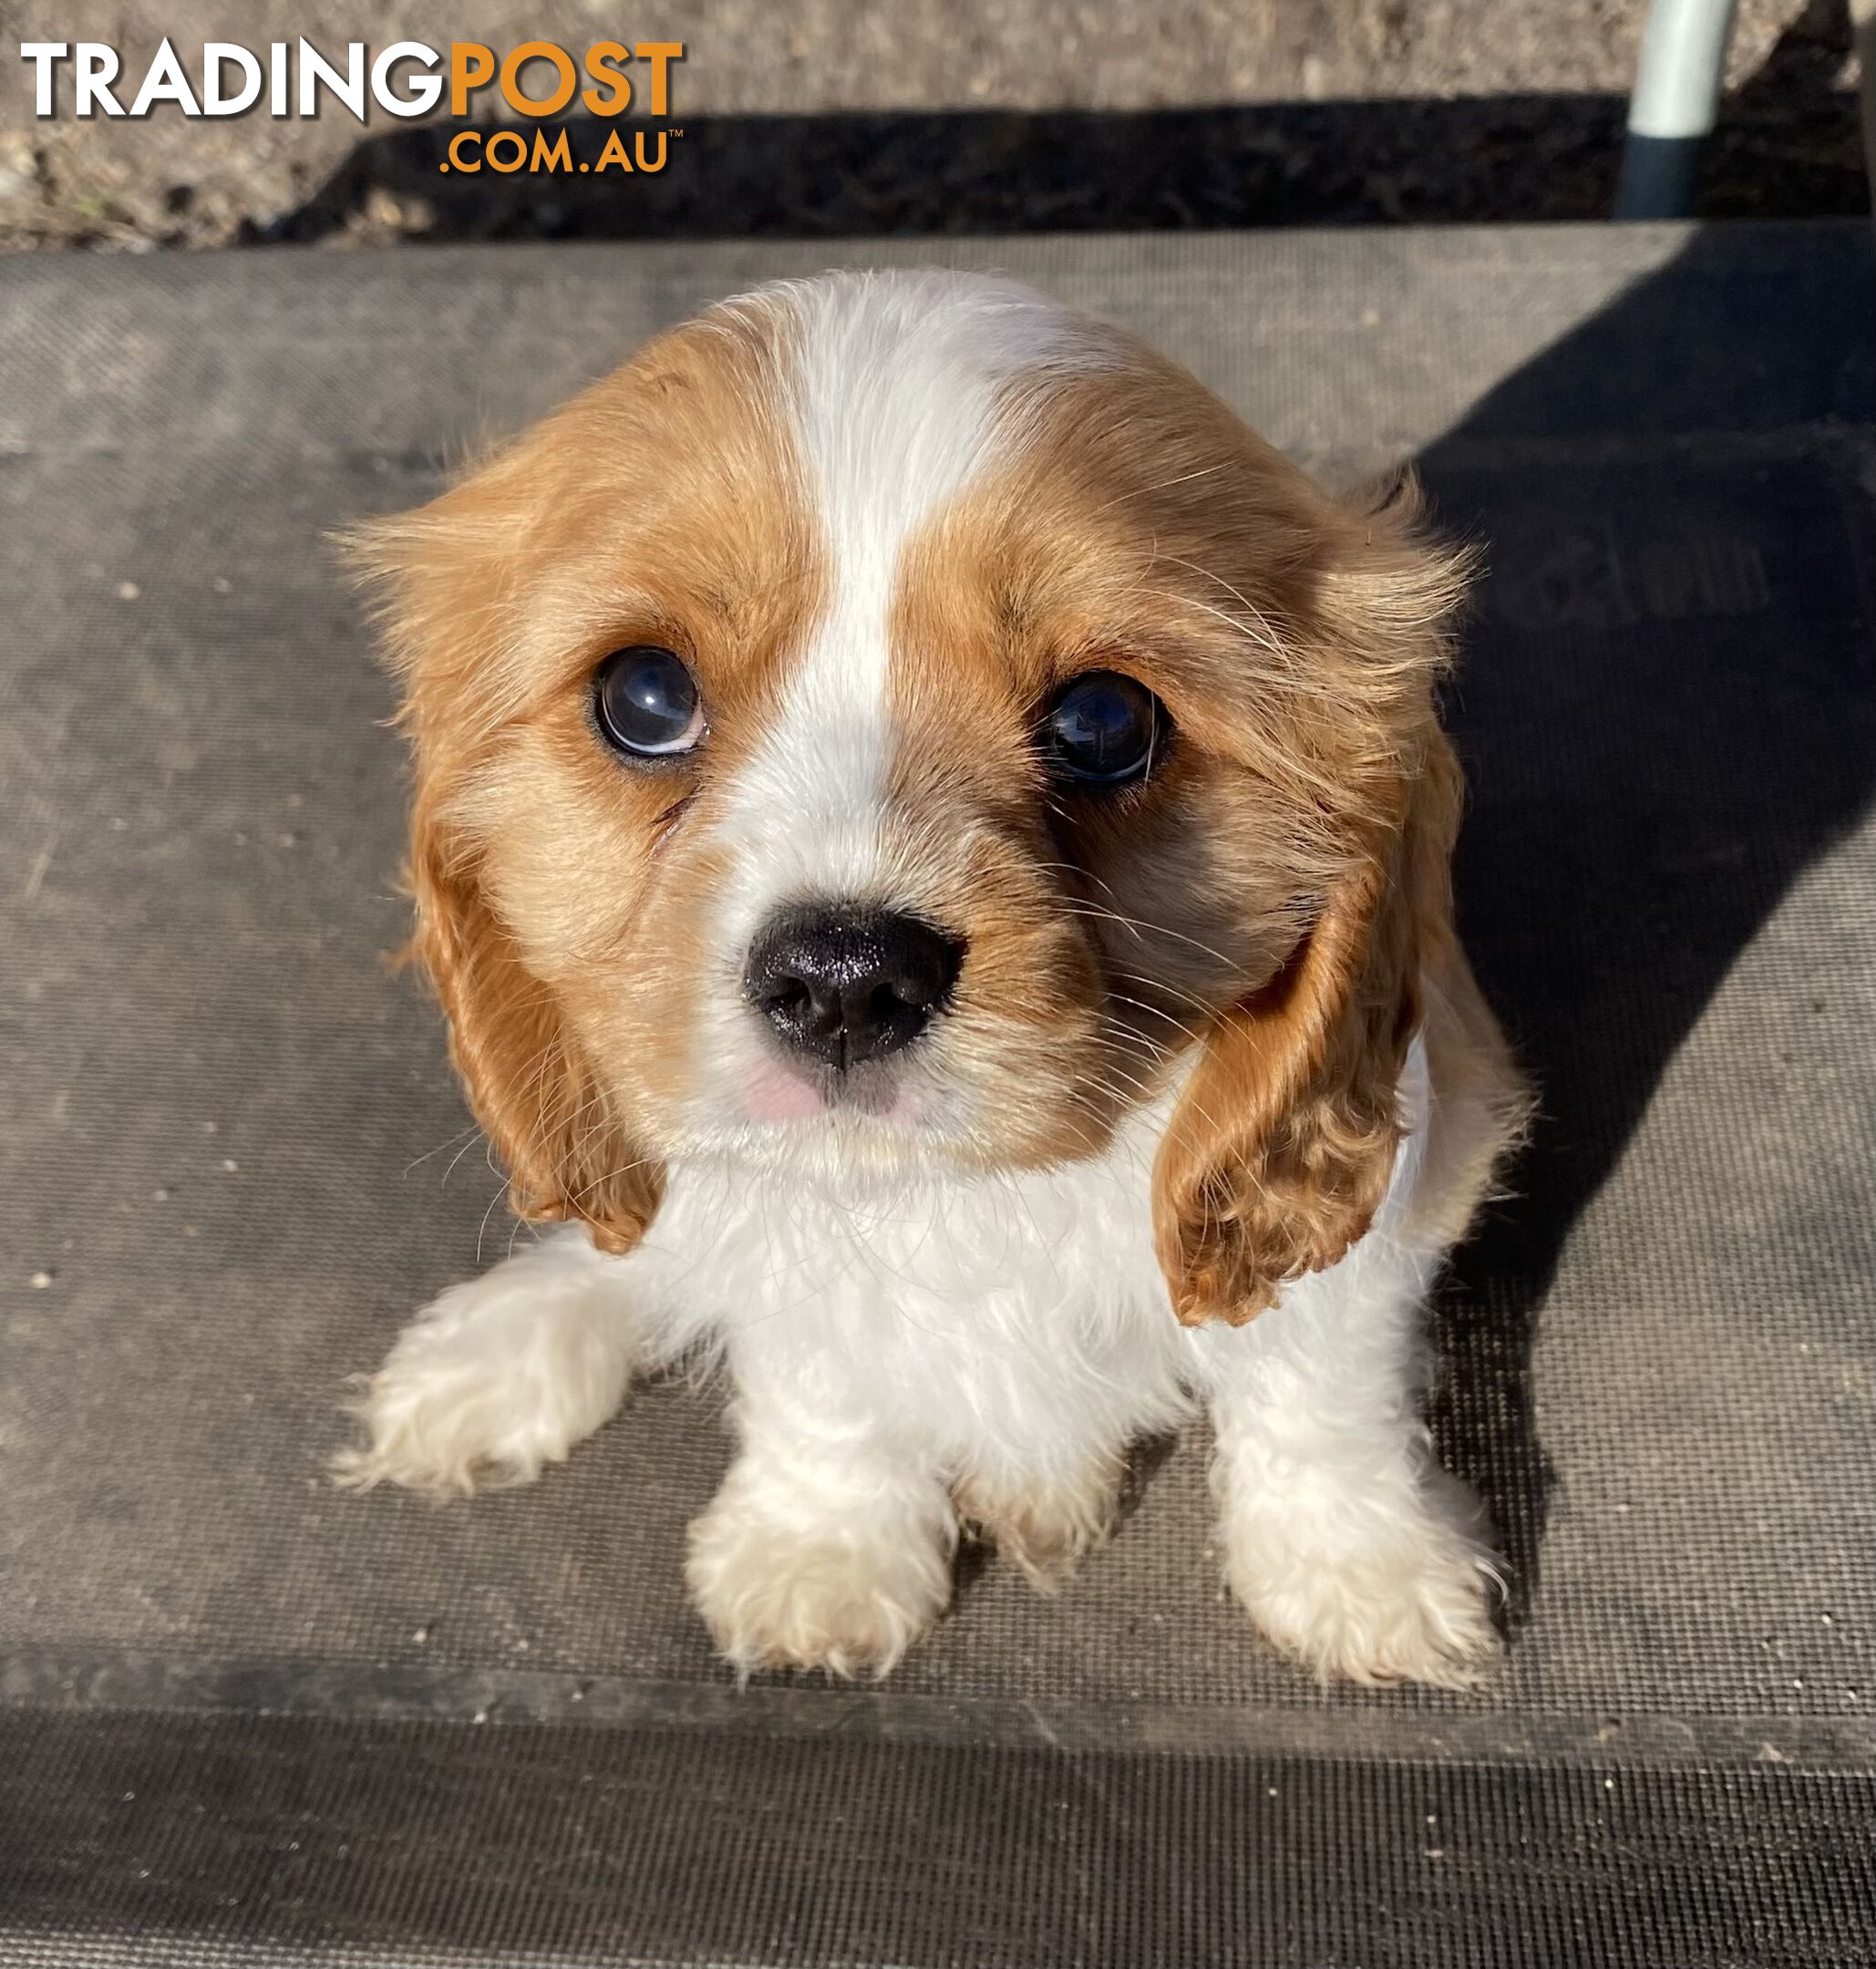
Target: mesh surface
column 557, row 1843
column 233, row 1144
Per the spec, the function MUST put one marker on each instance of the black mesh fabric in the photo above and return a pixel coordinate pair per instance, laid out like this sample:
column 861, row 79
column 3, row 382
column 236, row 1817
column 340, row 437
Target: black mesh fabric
column 575, row 1845
column 233, row 1161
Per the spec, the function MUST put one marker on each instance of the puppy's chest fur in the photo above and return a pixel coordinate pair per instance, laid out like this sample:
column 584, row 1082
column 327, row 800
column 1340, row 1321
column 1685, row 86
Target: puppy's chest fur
column 1022, row 1316
column 1001, row 1326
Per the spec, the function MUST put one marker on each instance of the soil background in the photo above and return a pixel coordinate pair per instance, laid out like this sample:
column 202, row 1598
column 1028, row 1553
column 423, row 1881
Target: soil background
column 837, row 118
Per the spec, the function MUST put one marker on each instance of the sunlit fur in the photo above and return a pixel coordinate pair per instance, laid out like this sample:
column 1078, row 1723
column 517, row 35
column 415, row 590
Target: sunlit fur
column 1214, row 1052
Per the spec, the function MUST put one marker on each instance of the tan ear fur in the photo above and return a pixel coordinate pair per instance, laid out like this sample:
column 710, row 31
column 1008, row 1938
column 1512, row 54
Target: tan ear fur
column 528, row 1085
column 444, row 577
column 1284, row 1141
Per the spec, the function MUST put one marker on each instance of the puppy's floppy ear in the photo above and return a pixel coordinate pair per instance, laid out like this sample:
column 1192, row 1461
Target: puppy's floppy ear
column 1284, row 1141
column 446, row 578
column 1280, row 1150
column 568, row 1154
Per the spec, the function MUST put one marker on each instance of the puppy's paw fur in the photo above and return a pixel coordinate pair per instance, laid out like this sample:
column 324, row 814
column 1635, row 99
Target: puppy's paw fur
column 1044, row 1529
column 1404, row 1597
column 494, row 1380
column 779, row 1590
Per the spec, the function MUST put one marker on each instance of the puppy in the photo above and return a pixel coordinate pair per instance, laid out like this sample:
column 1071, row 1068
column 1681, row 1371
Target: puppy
column 933, row 841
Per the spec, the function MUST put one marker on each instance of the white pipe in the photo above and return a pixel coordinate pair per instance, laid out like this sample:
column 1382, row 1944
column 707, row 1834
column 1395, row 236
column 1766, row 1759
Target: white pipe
column 1675, row 106
column 1683, row 65
column 1862, row 17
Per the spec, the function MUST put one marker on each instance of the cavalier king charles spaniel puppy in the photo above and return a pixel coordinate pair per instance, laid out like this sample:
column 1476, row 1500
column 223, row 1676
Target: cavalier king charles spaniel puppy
column 933, row 840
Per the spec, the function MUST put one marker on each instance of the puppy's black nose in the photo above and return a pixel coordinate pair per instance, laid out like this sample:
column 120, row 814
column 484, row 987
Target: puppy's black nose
column 850, row 984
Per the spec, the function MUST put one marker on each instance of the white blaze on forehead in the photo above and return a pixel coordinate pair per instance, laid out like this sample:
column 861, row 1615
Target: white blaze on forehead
column 897, row 398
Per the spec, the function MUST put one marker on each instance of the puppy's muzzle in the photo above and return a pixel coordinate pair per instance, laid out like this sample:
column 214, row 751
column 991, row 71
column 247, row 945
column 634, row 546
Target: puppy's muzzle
column 848, row 984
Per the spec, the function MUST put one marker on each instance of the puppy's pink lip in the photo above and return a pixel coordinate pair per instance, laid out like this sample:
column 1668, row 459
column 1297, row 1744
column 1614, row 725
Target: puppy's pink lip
column 774, row 1094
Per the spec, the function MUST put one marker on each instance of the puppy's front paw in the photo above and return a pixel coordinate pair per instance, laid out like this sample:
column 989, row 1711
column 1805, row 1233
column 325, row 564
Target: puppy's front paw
column 1402, row 1597
column 495, row 1379
column 1045, row 1528
column 779, row 1590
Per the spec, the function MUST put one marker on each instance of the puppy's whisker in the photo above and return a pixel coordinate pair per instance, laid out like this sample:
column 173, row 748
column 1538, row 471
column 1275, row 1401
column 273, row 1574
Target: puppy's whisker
column 474, row 1135
column 416, row 1160
column 1163, row 485
column 1142, row 930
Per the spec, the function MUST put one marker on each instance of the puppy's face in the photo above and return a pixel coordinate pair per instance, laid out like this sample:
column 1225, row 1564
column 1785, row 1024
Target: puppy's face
column 893, row 725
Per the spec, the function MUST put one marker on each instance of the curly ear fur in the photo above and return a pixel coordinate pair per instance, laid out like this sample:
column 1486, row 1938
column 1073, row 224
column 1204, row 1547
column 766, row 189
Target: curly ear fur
column 1282, row 1143
column 1280, row 1147
column 445, row 576
column 528, row 1085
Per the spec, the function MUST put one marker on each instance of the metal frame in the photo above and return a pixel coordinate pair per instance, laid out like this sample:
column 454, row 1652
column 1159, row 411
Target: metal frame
column 1672, row 111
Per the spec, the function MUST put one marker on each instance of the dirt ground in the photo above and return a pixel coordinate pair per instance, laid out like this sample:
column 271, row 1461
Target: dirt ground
column 836, row 115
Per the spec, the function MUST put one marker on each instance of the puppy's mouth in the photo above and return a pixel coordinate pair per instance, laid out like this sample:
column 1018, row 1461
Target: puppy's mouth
column 778, row 1093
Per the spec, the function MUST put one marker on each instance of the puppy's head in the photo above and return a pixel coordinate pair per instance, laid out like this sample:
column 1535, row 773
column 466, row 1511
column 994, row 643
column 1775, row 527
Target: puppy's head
column 896, row 725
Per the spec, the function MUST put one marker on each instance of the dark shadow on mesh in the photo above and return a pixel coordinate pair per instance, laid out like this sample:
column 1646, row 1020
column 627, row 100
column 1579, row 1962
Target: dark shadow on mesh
column 1650, row 771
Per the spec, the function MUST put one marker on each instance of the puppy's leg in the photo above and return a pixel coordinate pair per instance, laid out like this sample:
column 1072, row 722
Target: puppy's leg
column 498, row 1376
column 1351, row 1548
column 824, row 1549
column 1045, row 1523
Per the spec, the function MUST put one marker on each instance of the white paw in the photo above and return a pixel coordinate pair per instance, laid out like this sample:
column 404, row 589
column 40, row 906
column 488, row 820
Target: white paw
column 497, row 1377
column 1398, row 1595
column 1045, row 1528
column 778, row 1590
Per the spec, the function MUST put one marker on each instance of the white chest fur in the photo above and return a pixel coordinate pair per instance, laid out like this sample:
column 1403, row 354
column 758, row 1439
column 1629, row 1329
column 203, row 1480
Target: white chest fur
column 1009, row 1320
column 1007, row 1327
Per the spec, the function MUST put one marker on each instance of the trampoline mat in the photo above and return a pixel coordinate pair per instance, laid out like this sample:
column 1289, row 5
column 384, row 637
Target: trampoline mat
column 233, row 1161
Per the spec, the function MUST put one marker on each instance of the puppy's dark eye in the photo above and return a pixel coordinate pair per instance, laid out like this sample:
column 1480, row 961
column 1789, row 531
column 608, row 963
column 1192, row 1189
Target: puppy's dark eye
column 1102, row 729
column 647, row 702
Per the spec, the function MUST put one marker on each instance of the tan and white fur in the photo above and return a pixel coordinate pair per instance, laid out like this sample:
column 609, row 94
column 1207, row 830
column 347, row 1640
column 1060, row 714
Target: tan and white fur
column 1212, row 1096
